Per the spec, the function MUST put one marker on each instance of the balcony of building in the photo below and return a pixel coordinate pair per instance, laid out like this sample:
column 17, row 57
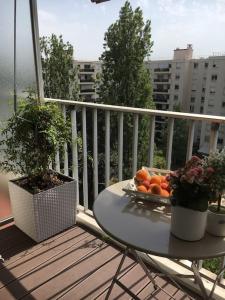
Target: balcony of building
column 80, row 262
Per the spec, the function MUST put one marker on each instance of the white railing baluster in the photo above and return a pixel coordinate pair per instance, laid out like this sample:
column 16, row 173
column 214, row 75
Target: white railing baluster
column 222, row 265
column 66, row 168
column 107, row 147
column 85, row 173
column 75, row 150
column 135, row 144
column 57, row 162
column 191, row 134
column 120, row 147
column 169, row 143
column 95, row 152
column 214, row 132
column 151, row 142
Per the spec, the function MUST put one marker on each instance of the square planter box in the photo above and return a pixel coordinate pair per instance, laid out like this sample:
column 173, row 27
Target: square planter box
column 46, row 213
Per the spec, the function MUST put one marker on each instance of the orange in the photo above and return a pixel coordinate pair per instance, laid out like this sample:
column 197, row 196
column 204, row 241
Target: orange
column 156, row 179
column 156, row 189
column 142, row 188
column 164, row 185
column 164, row 193
column 142, row 175
column 163, row 179
column 146, row 183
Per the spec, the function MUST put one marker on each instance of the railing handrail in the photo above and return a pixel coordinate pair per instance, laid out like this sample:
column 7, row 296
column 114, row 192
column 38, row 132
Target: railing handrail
column 151, row 112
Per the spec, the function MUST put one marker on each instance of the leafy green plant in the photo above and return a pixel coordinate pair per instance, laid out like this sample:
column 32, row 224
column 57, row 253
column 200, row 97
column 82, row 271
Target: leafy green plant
column 32, row 137
column 216, row 161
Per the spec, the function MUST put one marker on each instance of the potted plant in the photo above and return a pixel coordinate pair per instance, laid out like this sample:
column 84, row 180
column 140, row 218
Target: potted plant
column 191, row 193
column 43, row 201
column 216, row 212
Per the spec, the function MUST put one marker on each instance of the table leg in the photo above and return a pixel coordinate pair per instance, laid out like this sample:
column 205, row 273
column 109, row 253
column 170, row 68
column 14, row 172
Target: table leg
column 117, row 273
column 148, row 273
column 199, row 280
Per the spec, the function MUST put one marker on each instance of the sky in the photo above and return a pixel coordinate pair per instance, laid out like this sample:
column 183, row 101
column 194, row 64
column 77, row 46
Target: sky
column 175, row 23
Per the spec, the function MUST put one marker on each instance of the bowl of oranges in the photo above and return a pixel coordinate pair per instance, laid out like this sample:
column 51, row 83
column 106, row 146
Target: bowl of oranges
column 150, row 184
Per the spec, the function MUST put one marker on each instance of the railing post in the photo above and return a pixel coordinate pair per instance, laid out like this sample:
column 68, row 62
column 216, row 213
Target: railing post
column 214, row 131
column 66, row 169
column 107, row 147
column 191, row 133
column 135, row 144
column 95, row 153
column 151, row 142
column 85, row 173
column 75, row 150
column 120, row 147
column 169, row 143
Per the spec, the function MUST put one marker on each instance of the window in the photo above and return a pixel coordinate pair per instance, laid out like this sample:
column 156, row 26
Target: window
column 201, row 110
column 175, row 97
column 195, row 65
column 192, row 99
column 178, row 66
column 214, row 77
column 177, row 76
column 206, row 65
column 214, row 65
column 176, row 87
column 220, row 141
column 203, row 90
column 212, row 91
column 202, row 99
column 191, row 108
column 87, row 66
column 223, row 104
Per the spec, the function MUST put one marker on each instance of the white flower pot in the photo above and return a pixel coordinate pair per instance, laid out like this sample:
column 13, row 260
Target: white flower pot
column 46, row 213
column 215, row 223
column 188, row 224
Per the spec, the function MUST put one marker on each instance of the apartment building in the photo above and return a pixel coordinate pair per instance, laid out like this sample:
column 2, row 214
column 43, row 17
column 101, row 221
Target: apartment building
column 87, row 71
column 193, row 85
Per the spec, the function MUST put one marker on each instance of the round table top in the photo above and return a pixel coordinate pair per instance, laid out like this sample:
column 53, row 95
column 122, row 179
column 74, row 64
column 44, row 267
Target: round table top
column 145, row 227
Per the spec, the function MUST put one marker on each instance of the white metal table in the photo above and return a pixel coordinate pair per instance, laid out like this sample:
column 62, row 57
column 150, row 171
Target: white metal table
column 142, row 227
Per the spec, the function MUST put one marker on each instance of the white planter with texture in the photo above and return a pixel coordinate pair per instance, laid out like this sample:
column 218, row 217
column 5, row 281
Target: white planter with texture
column 188, row 224
column 46, row 213
column 215, row 223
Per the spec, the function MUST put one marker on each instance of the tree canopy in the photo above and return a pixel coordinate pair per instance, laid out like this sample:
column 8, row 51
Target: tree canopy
column 59, row 73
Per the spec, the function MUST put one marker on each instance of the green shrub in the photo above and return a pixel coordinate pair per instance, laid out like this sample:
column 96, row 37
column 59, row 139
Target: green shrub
column 31, row 138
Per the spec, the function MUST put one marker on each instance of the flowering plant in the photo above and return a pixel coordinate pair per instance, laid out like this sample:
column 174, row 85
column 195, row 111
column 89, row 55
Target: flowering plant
column 191, row 185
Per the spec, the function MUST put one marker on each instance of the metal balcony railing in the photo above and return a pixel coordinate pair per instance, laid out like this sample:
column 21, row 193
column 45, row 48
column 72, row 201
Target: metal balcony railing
column 79, row 110
column 87, row 70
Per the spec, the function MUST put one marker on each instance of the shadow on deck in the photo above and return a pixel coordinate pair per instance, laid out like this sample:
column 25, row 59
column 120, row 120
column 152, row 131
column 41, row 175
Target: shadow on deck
column 75, row 264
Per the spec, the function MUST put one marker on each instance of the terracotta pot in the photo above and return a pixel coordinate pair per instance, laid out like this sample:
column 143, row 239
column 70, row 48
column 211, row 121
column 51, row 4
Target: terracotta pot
column 188, row 224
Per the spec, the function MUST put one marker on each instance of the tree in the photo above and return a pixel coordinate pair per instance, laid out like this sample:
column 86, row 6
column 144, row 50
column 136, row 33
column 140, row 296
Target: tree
column 59, row 74
column 124, row 80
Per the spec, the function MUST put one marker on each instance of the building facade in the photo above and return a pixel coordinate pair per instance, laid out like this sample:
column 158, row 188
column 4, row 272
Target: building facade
column 182, row 83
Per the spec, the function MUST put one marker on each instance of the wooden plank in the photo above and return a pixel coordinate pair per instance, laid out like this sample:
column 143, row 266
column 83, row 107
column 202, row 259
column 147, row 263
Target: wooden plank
column 78, row 269
column 52, row 269
column 98, row 282
column 35, row 260
column 33, row 246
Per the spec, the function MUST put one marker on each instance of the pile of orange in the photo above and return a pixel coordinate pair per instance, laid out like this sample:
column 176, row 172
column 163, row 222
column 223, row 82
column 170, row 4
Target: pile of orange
column 155, row 184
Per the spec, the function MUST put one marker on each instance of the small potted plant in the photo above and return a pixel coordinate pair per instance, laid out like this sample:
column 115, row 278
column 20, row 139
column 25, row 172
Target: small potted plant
column 191, row 193
column 43, row 201
column 216, row 212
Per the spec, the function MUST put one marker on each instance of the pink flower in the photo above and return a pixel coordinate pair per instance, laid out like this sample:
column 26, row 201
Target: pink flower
column 210, row 170
column 195, row 158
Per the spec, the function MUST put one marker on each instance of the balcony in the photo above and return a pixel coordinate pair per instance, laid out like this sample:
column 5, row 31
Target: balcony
column 86, row 70
column 161, row 91
column 77, row 261
column 162, row 70
column 88, row 80
column 161, row 80
column 85, row 91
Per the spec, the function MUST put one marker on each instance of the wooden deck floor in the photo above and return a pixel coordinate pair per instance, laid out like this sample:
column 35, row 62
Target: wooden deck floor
column 75, row 264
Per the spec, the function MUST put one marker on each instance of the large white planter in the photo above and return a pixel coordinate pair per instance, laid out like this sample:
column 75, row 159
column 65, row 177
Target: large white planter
column 215, row 223
column 188, row 224
column 44, row 214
